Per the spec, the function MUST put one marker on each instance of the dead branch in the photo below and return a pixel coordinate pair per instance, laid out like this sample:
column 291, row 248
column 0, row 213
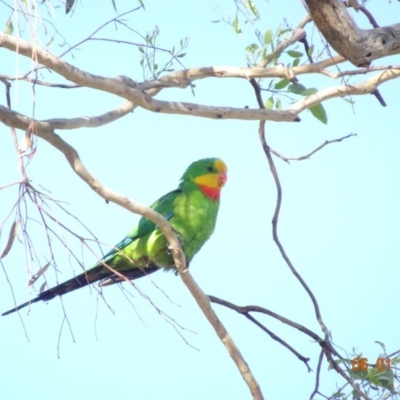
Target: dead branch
column 246, row 310
column 307, row 156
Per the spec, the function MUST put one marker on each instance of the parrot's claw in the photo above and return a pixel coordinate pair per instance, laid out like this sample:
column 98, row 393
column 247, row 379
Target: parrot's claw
column 180, row 240
column 177, row 273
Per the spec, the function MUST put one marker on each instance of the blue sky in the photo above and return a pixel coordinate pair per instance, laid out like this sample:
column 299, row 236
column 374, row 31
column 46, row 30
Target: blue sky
column 339, row 222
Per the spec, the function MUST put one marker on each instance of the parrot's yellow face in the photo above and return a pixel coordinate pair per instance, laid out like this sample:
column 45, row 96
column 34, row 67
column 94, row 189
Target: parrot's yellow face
column 212, row 182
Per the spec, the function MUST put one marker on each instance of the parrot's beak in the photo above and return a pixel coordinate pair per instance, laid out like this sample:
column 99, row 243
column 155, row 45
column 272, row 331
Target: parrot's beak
column 222, row 178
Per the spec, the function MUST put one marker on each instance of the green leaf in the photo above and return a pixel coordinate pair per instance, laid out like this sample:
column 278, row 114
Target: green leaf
column 278, row 104
column 181, row 55
column 264, row 54
column 253, row 8
column 381, row 344
column 395, row 360
column 282, row 83
column 50, row 41
column 357, row 374
column 269, row 103
column 268, row 37
column 296, row 88
column 283, row 31
column 372, row 378
column 294, row 54
column 141, row 49
column 383, row 378
column 252, row 48
column 9, row 27
column 310, row 50
column 236, row 26
column 319, row 112
column 308, row 92
column 114, row 5
column 348, row 100
column 296, row 62
column 142, row 4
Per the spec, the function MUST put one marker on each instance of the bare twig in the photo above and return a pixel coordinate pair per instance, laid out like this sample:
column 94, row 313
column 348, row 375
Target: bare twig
column 277, row 210
column 246, row 310
column 99, row 29
column 37, row 82
column 307, row 156
column 320, row 359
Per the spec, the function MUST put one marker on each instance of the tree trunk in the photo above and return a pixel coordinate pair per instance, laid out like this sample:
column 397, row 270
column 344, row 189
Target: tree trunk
column 359, row 46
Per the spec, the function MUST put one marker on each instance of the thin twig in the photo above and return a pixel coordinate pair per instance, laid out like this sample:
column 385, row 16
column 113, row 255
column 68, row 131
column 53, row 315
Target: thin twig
column 307, row 156
column 245, row 310
column 328, row 348
column 317, row 375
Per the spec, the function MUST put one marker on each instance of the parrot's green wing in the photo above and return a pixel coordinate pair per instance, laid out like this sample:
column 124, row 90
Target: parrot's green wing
column 145, row 227
column 164, row 206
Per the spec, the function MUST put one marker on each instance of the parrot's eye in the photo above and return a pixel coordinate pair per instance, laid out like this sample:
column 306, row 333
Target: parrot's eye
column 210, row 168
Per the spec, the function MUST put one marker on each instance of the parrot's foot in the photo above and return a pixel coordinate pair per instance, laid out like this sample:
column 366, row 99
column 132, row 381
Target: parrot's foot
column 180, row 240
column 177, row 273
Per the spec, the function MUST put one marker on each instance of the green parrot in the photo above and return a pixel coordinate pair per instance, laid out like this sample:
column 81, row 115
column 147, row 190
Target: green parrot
column 192, row 212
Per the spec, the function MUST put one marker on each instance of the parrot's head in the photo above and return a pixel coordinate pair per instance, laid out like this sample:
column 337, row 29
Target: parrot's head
column 209, row 174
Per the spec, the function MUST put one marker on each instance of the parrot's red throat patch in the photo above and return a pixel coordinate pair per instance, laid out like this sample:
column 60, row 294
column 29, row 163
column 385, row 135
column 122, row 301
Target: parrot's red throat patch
column 211, row 192
column 211, row 184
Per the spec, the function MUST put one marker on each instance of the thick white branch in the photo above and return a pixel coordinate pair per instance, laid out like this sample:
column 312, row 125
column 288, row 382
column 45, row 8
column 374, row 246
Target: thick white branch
column 119, row 87
column 345, row 90
column 184, row 77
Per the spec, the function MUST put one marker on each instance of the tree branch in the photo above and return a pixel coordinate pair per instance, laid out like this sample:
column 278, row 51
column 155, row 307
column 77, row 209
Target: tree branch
column 359, row 46
column 368, row 86
column 119, row 87
column 17, row 120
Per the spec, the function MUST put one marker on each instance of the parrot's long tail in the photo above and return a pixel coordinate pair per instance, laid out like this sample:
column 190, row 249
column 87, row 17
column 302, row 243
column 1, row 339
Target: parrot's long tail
column 93, row 275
